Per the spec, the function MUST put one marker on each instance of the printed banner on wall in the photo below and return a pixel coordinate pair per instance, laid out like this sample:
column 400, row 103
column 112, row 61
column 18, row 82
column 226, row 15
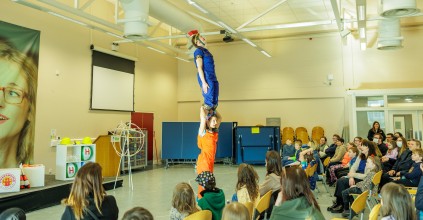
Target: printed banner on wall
column 19, row 49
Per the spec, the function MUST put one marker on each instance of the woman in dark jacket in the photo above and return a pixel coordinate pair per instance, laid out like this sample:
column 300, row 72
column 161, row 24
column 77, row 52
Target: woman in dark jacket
column 87, row 199
column 375, row 129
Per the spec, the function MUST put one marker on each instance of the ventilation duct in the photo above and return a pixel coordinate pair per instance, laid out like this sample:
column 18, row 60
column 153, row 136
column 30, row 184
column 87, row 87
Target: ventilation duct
column 397, row 8
column 136, row 18
column 389, row 34
column 137, row 12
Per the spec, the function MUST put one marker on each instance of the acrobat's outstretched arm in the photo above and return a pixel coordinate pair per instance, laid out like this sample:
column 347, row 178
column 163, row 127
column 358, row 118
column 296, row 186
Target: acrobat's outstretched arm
column 219, row 118
column 203, row 120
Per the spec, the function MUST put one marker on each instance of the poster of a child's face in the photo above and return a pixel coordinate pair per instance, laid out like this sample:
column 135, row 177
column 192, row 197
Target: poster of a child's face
column 18, row 87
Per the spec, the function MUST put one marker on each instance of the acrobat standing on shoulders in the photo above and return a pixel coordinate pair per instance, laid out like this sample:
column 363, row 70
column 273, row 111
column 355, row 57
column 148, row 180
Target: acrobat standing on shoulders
column 207, row 141
column 206, row 74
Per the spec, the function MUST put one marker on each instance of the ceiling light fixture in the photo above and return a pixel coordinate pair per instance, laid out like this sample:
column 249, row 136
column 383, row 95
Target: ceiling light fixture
column 249, row 42
column 67, row 18
column 157, row 50
column 265, row 53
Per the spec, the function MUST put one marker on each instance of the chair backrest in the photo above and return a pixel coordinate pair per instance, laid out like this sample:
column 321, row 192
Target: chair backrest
column 264, row 202
column 375, row 212
column 317, row 132
column 326, row 161
column 301, row 134
column 377, row 177
column 250, row 207
column 310, row 170
column 200, row 215
column 287, row 133
column 359, row 203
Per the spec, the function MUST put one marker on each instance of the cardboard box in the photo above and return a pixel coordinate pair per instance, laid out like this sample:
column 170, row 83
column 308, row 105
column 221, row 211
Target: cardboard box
column 10, row 180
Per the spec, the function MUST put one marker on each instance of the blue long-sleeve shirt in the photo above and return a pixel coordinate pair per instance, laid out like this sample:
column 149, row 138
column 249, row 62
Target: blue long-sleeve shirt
column 414, row 175
column 288, row 150
column 419, row 196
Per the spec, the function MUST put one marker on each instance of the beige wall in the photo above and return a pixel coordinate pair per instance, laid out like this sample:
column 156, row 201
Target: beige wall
column 63, row 101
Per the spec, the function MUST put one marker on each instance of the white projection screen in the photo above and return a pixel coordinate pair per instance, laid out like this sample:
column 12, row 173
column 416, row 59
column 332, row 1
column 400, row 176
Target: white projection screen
column 112, row 86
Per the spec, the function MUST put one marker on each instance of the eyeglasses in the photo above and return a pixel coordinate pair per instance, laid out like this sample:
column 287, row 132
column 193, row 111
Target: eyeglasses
column 12, row 95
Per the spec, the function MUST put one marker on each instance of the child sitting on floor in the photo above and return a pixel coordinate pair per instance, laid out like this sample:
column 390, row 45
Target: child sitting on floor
column 183, row 202
column 247, row 187
column 213, row 198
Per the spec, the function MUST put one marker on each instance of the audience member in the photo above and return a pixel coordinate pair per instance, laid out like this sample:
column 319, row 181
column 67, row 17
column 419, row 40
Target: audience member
column 272, row 181
column 372, row 167
column 236, row 211
column 390, row 137
column 137, row 213
column 377, row 138
column 355, row 175
column 339, row 170
column 87, row 198
column 247, row 187
column 358, row 141
column 323, row 147
column 296, row 200
column 396, row 203
column 288, row 149
column 398, row 134
column 403, row 162
column 375, row 130
column 412, row 177
column 183, row 202
column 330, row 151
column 213, row 198
column 419, row 196
column 390, row 157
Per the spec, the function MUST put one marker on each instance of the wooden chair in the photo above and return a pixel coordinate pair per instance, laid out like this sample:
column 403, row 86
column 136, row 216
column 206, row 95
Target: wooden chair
column 373, row 195
column 322, row 177
column 317, row 132
column 301, row 134
column 287, row 133
column 375, row 212
column 310, row 170
column 200, row 215
column 358, row 206
column 263, row 204
column 250, row 207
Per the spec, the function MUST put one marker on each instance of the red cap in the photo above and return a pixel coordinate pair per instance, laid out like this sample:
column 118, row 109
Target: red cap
column 192, row 33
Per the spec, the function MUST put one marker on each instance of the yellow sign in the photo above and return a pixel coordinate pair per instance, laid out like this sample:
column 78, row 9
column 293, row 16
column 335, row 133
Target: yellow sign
column 255, row 130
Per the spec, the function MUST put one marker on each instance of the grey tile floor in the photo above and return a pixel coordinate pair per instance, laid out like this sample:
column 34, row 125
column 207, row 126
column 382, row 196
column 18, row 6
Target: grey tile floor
column 153, row 190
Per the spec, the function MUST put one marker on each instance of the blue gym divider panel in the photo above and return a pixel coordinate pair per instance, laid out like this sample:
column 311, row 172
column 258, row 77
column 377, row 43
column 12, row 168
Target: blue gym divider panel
column 252, row 143
column 179, row 140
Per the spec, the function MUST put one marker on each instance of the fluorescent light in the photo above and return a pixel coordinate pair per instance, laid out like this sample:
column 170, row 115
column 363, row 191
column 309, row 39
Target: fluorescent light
column 249, row 42
column 151, row 48
column 226, row 27
column 67, row 18
column 408, row 99
column 198, row 6
column 265, row 53
column 361, row 13
column 115, row 35
column 362, row 32
column 363, row 45
column 182, row 59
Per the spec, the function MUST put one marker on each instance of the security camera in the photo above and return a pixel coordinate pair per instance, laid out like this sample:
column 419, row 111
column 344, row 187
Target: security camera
column 228, row 38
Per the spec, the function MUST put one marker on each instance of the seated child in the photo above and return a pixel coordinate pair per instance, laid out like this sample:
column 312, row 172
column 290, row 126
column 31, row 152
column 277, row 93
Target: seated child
column 288, row 149
column 412, row 178
column 183, row 202
column 396, row 203
column 346, row 164
column 390, row 157
column 213, row 198
column 286, row 160
column 139, row 213
column 236, row 211
column 247, row 187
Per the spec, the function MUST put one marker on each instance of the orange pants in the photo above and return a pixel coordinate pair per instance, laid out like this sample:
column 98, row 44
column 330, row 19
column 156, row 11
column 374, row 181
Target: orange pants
column 205, row 160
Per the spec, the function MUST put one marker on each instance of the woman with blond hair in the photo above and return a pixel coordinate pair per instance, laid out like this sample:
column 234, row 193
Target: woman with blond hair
column 396, row 203
column 87, row 198
column 183, row 202
column 18, row 86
